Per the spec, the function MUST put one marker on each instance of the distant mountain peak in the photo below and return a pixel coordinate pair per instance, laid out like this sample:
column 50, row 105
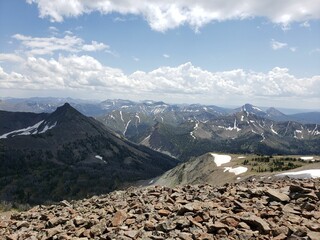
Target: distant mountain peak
column 274, row 112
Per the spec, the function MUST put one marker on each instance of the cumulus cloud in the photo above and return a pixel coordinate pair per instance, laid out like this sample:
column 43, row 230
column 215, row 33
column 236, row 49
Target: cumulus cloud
column 87, row 73
column 166, row 55
column 166, row 14
column 49, row 45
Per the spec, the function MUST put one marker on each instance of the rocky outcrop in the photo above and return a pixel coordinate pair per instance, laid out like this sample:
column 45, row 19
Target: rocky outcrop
column 275, row 209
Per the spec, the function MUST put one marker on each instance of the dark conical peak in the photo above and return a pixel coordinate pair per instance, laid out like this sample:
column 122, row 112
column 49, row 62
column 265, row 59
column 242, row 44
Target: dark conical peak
column 65, row 106
column 65, row 111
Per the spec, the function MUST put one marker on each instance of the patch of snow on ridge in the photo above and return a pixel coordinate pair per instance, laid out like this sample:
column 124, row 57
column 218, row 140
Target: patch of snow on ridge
column 271, row 127
column 194, row 128
column 121, row 116
column 137, row 116
column 126, row 127
column 100, row 158
column 256, row 108
column 24, row 131
column 306, row 158
column 47, row 127
column 236, row 171
column 220, row 159
column 312, row 173
column 241, row 157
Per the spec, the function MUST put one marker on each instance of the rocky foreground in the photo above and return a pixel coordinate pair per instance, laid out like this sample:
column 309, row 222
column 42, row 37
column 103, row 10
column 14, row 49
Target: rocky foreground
column 275, row 209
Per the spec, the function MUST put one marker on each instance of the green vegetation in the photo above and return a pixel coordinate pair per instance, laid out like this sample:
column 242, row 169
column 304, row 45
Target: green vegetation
column 273, row 164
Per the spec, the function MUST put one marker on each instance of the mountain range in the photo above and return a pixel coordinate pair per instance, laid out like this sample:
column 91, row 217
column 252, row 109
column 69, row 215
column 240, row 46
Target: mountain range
column 64, row 154
column 98, row 108
column 184, row 131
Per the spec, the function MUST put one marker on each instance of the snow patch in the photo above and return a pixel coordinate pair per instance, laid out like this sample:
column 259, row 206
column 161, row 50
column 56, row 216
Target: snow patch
column 220, row 159
column 100, row 158
column 236, row 171
column 241, row 157
column 194, row 128
column 271, row 127
column 121, row 116
column 146, row 140
column 126, row 127
column 137, row 116
column 306, row 158
column 263, row 137
column 312, row 173
column 47, row 127
column 24, row 131
column 256, row 108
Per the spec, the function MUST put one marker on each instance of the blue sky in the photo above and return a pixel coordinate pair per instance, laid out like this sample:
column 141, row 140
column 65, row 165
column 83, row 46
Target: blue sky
column 216, row 52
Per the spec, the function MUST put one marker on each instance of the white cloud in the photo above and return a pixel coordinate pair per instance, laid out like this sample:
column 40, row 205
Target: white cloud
column 49, row 45
column 68, row 32
column 184, row 81
column 275, row 45
column 53, row 30
column 166, row 55
column 136, row 59
column 94, row 46
column 166, row 14
column 10, row 57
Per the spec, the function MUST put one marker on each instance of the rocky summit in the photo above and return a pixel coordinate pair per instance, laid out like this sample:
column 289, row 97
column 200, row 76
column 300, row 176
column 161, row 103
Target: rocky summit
column 269, row 209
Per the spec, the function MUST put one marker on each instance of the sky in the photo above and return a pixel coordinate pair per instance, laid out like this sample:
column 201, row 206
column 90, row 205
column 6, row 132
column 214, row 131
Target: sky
column 215, row 52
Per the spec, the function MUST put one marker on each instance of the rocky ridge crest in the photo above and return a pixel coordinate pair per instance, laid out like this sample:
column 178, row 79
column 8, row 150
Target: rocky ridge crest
column 271, row 209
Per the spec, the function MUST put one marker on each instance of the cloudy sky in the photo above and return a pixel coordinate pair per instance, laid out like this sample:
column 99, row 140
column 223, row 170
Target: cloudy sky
column 221, row 52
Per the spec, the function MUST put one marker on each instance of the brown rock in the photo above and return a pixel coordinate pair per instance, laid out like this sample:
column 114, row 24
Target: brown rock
column 78, row 220
column 131, row 234
column 149, row 226
column 164, row 212
column 277, row 196
column 98, row 229
column 53, row 231
column 198, row 219
column 130, row 221
column 118, row 218
column 313, row 235
column 257, row 223
column 23, row 224
column 244, row 225
column 185, row 236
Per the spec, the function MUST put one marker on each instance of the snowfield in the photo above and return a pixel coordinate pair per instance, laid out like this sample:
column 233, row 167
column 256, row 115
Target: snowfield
column 312, row 173
column 236, row 171
column 306, row 158
column 220, row 159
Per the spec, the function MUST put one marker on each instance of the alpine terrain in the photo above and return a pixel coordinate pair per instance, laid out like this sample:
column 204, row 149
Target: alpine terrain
column 63, row 155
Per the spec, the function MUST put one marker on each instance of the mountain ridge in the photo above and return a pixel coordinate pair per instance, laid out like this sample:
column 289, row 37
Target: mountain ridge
column 76, row 157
